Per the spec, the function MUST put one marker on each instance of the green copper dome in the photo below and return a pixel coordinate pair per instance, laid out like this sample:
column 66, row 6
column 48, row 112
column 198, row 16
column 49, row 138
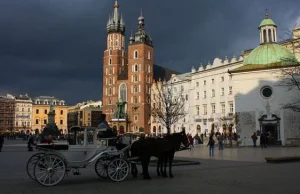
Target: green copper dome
column 271, row 54
column 267, row 22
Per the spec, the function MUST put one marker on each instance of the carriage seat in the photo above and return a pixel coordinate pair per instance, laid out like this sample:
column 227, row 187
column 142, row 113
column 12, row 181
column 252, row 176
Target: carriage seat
column 53, row 146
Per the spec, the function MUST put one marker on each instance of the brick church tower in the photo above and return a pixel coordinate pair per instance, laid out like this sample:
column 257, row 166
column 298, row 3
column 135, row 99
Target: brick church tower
column 127, row 77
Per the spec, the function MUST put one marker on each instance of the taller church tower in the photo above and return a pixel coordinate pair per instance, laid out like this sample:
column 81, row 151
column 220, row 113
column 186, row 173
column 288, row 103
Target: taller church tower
column 115, row 60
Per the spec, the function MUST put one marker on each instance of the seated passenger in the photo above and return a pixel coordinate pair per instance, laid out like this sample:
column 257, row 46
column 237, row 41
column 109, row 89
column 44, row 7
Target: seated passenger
column 107, row 131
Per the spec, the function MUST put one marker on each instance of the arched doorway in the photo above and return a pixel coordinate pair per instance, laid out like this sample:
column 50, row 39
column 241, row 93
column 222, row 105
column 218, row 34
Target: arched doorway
column 154, row 129
column 122, row 131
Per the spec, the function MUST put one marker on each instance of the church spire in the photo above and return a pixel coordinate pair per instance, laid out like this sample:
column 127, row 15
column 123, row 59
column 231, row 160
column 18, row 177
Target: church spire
column 115, row 22
column 141, row 35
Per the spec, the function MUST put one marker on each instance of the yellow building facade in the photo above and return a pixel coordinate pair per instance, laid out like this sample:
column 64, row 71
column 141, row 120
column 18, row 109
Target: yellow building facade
column 41, row 108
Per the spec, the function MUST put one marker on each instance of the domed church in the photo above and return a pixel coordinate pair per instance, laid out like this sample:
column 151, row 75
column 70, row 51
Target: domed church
column 260, row 91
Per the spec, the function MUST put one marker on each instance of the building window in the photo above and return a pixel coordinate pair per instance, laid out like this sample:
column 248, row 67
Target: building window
column 54, row 111
column 223, row 107
column 204, row 94
column 230, row 90
column 135, row 118
column 213, row 108
column 109, row 102
column 45, row 122
column 22, row 109
column 213, row 93
column 61, row 112
column 61, row 122
column 149, row 69
column 135, row 100
column 205, row 109
column 16, row 123
column 109, row 91
column 110, row 61
column 197, row 110
column 46, row 112
column 204, row 82
column 36, row 121
column 186, row 97
column 230, row 107
column 110, row 71
column 37, row 111
column 149, row 55
column 135, row 68
column 110, row 52
column 135, row 78
column 135, row 89
column 135, row 54
column 222, row 91
column 212, row 81
column 148, row 79
column 123, row 92
column 182, row 88
column 222, row 79
column 197, row 84
column 198, row 95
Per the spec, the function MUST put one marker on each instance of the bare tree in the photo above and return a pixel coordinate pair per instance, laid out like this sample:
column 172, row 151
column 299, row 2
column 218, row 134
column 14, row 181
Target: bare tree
column 227, row 123
column 167, row 104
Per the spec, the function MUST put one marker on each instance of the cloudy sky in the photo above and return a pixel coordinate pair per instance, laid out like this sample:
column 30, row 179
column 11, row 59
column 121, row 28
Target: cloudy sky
column 55, row 47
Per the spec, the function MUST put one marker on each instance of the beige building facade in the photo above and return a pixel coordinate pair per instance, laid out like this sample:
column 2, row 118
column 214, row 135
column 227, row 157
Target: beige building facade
column 23, row 113
column 41, row 108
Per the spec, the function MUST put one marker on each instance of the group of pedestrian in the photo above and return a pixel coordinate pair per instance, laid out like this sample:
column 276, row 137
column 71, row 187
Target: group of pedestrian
column 211, row 143
column 263, row 140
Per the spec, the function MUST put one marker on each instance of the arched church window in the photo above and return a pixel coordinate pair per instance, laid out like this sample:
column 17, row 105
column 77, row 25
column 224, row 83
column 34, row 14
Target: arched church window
column 265, row 35
column 110, row 81
column 110, row 71
column 110, row 61
column 274, row 35
column 135, row 54
column 109, row 91
column 270, row 35
column 123, row 92
column 149, row 55
column 136, row 68
column 116, row 43
column 110, row 52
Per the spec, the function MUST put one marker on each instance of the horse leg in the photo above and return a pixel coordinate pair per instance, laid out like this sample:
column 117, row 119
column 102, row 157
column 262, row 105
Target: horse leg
column 171, row 157
column 165, row 166
column 159, row 160
column 145, row 162
column 134, row 170
column 162, row 160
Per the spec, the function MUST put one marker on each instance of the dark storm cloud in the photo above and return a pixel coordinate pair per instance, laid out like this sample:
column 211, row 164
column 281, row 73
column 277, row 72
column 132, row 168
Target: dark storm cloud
column 55, row 47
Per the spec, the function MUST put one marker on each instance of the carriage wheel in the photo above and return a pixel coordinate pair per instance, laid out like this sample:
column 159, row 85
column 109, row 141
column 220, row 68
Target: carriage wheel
column 101, row 166
column 118, row 169
column 49, row 170
column 31, row 162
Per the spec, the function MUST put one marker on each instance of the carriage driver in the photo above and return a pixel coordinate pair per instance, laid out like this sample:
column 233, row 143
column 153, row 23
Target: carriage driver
column 103, row 124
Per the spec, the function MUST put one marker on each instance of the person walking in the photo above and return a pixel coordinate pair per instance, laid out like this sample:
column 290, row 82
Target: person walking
column 1, row 141
column 220, row 141
column 211, row 144
column 254, row 139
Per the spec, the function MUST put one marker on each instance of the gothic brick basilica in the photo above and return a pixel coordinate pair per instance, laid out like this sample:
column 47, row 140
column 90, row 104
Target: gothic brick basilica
column 128, row 75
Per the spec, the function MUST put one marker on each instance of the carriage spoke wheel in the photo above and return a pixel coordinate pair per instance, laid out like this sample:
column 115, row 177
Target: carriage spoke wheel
column 49, row 170
column 30, row 164
column 101, row 166
column 118, row 169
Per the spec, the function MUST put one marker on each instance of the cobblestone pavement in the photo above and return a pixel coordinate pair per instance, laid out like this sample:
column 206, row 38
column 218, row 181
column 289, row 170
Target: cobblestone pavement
column 212, row 176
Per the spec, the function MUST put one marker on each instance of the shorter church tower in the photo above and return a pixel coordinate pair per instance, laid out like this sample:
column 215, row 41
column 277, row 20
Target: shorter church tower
column 140, row 76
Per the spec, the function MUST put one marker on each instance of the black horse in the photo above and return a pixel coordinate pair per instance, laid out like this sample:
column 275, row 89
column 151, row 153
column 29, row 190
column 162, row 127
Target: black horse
column 164, row 149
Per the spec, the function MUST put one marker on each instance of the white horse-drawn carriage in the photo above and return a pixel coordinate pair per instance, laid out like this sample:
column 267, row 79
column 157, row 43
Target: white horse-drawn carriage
column 50, row 165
